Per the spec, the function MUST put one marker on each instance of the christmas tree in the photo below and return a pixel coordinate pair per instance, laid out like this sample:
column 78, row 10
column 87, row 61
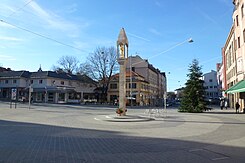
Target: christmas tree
column 193, row 95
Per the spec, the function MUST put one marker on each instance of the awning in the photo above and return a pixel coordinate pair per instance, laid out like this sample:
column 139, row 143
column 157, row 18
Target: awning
column 239, row 87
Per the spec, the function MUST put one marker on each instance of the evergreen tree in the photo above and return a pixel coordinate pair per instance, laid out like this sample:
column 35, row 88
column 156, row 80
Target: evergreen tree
column 193, row 95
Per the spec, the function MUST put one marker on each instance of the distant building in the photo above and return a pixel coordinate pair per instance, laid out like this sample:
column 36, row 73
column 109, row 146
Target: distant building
column 179, row 93
column 46, row 86
column 156, row 79
column 137, row 89
column 211, row 86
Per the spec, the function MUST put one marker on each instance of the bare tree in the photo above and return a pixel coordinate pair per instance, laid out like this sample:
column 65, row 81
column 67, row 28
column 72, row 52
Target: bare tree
column 68, row 64
column 100, row 66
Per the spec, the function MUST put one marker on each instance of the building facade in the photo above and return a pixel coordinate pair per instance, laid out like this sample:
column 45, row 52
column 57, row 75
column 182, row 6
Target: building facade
column 233, row 55
column 46, row 86
column 212, row 91
column 156, row 79
column 137, row 89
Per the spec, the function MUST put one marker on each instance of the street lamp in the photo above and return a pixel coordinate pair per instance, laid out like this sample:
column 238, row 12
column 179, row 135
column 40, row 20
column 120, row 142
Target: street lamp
column 190, row 40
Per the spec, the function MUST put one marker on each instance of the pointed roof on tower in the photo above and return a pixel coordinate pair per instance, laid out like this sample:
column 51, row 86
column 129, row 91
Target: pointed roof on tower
column 122, row 37
column 40, row 69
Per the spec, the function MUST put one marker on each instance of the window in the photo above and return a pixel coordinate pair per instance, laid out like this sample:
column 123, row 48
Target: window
column 113, row 86
column 31, row 81
column 6, row 81
column 242, row 8
column 237, row 23
column 238, row 42
column 14, row 81
column 211, row 87
column 235, row 45
column 210, row 80
column 50, row 97
column 61, row 97
column 40, row 81
column 134, row 85
column 62, row 82
column 244, row 35
column 133, row 69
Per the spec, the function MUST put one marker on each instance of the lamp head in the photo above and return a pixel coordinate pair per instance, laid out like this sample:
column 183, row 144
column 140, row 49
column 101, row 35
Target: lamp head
column 190, row 40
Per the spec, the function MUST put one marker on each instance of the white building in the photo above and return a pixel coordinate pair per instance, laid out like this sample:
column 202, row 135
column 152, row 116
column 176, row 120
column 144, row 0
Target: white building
column 211, row 85
column 47, row 86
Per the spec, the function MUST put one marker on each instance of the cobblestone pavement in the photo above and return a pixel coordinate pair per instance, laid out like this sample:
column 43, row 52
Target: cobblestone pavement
column 74, row 133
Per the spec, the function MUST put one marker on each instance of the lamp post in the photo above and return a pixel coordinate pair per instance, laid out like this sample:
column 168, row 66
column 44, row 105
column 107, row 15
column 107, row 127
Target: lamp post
column 190, row 40
column 131, row 80
column 30, row 91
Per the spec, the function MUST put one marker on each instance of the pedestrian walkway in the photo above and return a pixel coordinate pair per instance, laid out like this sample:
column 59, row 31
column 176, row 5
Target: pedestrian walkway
column 72, row 134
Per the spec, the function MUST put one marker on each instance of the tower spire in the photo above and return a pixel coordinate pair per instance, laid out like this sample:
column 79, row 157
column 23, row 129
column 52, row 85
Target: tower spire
column 122, row 38
column 40, row 69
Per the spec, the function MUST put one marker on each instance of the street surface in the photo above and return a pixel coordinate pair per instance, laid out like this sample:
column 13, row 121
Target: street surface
column 83, row 133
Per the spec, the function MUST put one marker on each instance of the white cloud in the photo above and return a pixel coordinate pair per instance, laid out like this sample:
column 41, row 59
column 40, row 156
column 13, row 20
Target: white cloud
column 6, row 58
column 4, row 25
column 6, row 38
column 155, row 32
column 6, row 9
column 53, row 21
column 207, row 16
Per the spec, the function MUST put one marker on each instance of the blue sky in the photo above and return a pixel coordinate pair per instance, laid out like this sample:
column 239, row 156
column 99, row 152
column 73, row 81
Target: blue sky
column 155, row 29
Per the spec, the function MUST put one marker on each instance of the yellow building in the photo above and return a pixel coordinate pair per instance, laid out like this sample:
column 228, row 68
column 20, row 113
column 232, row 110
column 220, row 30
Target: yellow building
column 137, row 89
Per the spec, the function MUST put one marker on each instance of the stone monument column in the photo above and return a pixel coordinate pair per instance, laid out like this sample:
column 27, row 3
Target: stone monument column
column 122, row 55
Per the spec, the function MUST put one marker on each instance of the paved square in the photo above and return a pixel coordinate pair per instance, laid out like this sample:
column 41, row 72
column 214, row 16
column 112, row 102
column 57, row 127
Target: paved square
column 70, row 133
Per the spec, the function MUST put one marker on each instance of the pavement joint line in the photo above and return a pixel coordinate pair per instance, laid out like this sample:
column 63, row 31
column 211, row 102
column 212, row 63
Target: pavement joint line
column 219, row 158
column 194, row 150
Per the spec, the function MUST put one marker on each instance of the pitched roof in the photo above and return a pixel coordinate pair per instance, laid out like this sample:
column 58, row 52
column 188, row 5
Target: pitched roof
column 44, row 74
column 54, row 74
column 122, row 38
column 14, row 74
column 85, row 79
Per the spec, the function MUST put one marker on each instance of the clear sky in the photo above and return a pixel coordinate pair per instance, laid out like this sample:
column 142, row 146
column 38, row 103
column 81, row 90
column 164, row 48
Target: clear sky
column 156, row 30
